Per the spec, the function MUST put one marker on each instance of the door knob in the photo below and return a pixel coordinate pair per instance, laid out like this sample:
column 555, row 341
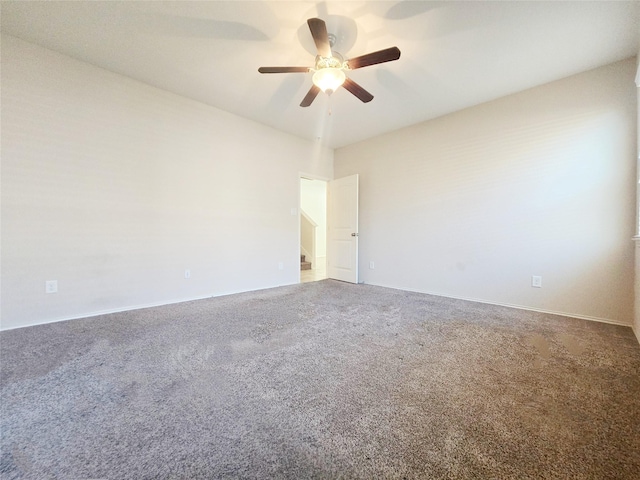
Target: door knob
column 354, row 234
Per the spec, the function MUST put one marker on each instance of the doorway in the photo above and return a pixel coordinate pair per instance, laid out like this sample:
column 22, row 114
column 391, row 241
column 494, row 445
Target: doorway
column 313, row 229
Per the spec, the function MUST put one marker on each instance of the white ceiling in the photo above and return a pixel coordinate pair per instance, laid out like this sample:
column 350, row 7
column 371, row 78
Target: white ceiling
column 454, row 54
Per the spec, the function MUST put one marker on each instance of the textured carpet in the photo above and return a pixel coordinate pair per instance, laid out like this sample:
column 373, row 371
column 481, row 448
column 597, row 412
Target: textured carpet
column 321, row 380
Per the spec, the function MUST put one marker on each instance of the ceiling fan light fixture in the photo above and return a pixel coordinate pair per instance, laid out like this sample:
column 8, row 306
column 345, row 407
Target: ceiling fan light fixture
column 329, row 79
column 330, row 66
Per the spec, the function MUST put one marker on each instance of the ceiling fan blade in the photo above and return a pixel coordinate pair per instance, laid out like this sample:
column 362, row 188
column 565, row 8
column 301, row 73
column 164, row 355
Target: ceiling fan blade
column 283, row 69
column 381, row 56
column 319, row 33
column 357, row 90
column 310, row 96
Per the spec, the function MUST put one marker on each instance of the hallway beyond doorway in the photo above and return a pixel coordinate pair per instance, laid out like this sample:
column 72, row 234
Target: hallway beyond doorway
column 313, row 229
column 317, row 272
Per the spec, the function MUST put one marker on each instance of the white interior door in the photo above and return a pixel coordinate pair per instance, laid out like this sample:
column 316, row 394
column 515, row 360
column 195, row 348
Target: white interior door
column 342, row 229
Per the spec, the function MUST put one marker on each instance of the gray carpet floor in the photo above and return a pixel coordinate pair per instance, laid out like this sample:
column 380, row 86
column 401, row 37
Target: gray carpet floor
column 321, row 380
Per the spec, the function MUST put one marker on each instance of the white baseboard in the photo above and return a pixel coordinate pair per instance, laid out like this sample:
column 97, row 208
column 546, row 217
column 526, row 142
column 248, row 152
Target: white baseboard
column 172, row 302
column 519, row 307
column 138, row 307
column 108, row 311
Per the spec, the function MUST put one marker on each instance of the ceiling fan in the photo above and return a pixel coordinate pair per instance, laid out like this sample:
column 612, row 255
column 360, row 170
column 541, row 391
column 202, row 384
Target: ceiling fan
column 329, row 69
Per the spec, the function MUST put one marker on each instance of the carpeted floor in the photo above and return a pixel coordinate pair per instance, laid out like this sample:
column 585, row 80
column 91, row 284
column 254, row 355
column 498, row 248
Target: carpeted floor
column 321, row 380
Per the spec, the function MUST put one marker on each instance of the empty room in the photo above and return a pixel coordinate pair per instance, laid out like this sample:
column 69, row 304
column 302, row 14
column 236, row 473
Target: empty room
column 462, row 303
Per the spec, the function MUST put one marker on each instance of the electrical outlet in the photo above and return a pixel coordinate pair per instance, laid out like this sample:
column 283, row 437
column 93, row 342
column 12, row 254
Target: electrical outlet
column 372, row 265
column 536, row 281
column 51, row 286
column 187, row 273
column 280, row 266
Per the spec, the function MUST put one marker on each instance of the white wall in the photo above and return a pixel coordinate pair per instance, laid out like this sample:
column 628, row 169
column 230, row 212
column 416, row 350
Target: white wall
column 113, row 188
column 313, row 200
column 473, row 204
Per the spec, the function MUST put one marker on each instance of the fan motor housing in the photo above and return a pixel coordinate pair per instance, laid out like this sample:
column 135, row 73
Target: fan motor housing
column 334, row 61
